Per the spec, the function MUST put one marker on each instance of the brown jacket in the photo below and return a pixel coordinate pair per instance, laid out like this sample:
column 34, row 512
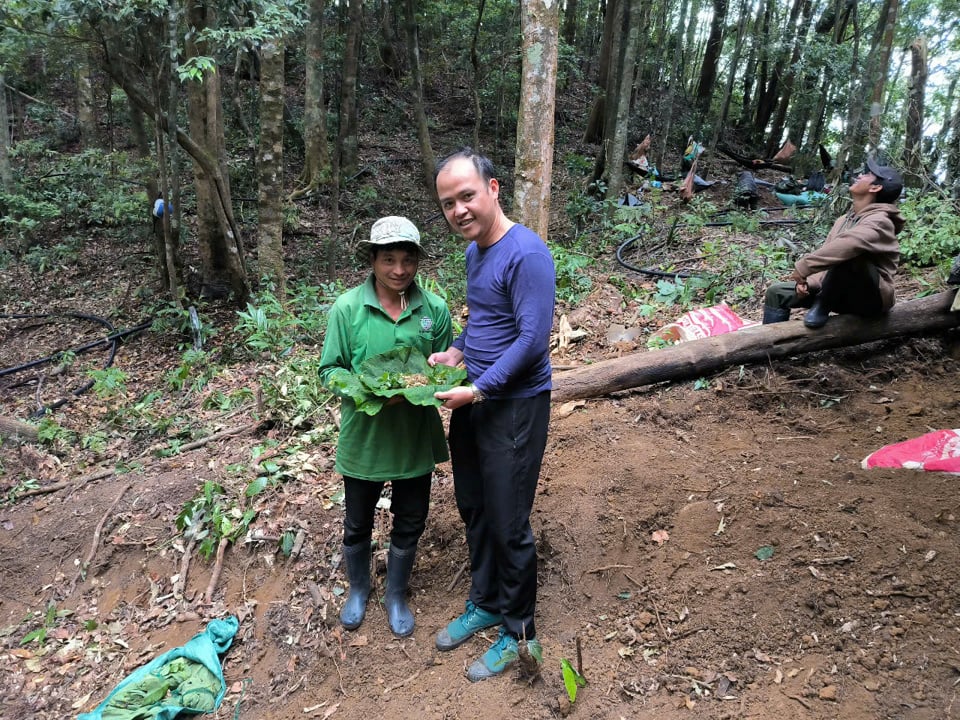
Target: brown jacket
column 873, row 232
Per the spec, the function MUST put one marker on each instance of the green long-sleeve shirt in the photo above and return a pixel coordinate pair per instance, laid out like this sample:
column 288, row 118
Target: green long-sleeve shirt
column 402, row 440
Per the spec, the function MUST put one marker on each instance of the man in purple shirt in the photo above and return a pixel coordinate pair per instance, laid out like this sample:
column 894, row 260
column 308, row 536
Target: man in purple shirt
column 498, row 429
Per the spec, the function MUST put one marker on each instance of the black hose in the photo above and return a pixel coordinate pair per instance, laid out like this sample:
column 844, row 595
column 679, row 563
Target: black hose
column 113, row 338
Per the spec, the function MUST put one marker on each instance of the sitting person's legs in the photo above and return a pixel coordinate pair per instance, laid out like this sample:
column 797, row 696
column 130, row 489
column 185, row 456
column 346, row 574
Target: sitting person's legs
column 852, row 288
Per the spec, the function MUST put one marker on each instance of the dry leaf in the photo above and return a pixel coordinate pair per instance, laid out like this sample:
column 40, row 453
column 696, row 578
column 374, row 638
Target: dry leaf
column 659, row 536
column 778, row 677
column 567, row 408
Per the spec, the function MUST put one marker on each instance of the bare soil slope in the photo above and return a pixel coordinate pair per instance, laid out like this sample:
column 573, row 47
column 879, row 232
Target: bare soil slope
column 854, row 615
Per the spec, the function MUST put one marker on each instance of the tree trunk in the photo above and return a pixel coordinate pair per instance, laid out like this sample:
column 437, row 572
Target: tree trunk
column 711, row 58
column 620, row 92
column 761, row 343
column 734, row 64
column 749, row 73
column 270, row 162
column 221, row 258
column 767, row 100
column 676, row 83
column 570, row 18
column 6, row 173
column 316, row 161
column 533, row 168
column 913, row 148
column 390, row 64
column 885, row 32
column 428, row 159
column 688, row 55
column 86, row 107
column 594, row 130
column 775, row 137
column 347, row 142
column 475, row 88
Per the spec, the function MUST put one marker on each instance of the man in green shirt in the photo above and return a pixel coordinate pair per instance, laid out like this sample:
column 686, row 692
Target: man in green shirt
column 402, row 443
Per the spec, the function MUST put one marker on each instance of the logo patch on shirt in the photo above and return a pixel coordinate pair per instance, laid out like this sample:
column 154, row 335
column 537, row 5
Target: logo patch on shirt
column 426, row 323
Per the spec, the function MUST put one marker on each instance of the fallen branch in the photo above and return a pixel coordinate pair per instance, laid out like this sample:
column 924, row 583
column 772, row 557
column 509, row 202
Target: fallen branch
column 17, row 429
column 217, row 568
column 403, row 682
column 456, row 578
column 82, row 571
column 598, row 570
column 181, row 583
column 107, row 472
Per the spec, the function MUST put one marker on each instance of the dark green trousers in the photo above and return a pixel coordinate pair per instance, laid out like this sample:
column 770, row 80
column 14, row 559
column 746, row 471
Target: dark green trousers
column 852, row 287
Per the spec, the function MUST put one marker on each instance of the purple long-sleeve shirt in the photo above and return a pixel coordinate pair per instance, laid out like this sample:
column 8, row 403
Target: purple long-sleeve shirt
column 511, row 289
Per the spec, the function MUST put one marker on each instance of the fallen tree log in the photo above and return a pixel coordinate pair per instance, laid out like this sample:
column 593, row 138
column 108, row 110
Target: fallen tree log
column 760, row 343
column 12, row 428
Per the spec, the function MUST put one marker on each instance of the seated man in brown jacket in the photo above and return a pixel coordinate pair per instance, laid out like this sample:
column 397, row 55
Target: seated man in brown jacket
column 852, row 272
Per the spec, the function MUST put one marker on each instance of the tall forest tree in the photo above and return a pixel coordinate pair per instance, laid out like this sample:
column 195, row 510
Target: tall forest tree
column 534, row 164
column 427, row 158
column 913, row 145
column 270, row 165
column 316, row 151
column 711, row 58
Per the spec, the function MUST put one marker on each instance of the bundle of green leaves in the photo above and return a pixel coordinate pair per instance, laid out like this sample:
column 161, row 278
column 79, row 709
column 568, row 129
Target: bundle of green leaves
column 401, row 371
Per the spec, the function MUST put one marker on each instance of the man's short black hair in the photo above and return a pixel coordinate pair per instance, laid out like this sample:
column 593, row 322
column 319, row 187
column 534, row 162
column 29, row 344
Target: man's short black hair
column 482, row 163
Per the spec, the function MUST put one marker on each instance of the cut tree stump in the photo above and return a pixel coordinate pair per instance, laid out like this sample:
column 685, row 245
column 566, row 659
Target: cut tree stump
column 760, row 343
column 11, row 428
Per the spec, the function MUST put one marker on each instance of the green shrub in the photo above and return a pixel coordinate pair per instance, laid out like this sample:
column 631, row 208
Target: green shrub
column 932, row 232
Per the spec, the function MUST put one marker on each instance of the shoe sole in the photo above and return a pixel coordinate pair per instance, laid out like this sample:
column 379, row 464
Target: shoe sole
column 444, row 646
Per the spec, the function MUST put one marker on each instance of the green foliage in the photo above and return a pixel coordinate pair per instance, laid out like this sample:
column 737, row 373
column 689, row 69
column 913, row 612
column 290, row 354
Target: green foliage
column 108, row 382
column 402, row 371
column 49, row 432
column 211, row 516
column 16, row 492
column 451, row 277
column 168, row 317
column 194, row 365
column 272, row 328
column 48, row 622
column 293, row 394
column 193, row 69
column 932, row 232
column 96, row 441
column 572, row 680
column 680, row 291
column 573, row 284
column 43, row 259
column 225, row 402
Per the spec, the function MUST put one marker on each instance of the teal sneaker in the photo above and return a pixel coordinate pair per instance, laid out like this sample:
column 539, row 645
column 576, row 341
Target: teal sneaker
column 466, row 626
column 501, row 655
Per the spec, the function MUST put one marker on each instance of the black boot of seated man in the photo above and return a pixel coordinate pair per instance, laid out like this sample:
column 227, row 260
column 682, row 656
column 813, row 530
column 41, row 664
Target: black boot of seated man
column 775, row 314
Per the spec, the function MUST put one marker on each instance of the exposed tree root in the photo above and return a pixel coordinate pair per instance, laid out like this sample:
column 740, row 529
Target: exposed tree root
column 217, row 568
column 84, row 566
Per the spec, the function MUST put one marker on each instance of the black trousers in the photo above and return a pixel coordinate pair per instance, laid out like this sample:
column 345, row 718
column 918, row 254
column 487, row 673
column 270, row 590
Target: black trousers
column 852, row 287
column 497, row 448
column 409, row 504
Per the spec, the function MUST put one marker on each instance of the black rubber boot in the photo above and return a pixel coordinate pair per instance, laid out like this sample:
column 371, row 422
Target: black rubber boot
column 357, row 559
column 817, row 315
column 775, row 314
column 399, row 565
